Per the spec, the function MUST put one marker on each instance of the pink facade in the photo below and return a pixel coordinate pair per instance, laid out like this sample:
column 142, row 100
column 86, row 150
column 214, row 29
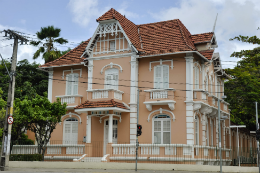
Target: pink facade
column 179, row 82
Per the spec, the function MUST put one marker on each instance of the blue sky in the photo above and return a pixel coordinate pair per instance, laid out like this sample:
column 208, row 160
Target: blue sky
column 77, row 19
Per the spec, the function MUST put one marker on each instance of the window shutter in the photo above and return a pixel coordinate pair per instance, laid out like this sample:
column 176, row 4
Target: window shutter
column 75, row 84
column 67, row 133
column 157, row 79
column 74, row 134
column 108, row 81
column 69, row 84
column 197, row 80
column 165, row 76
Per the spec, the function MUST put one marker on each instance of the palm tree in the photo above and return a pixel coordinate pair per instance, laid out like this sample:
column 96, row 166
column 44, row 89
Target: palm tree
column 48, row 36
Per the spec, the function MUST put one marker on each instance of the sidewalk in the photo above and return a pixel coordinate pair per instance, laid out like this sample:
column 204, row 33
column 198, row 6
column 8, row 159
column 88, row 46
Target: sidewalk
column 43, row 170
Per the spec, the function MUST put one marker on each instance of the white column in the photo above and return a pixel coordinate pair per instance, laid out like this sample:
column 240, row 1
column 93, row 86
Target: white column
column 50, row 86
column 202, row 76
column 216, row 131
column 204, row 129
column 110, row 129
column 133, row 98
column 90, row 74
column 189, row 99
column 88, row 128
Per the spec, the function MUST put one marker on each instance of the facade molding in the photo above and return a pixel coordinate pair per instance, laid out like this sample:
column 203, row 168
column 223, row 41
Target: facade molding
column 72, row 71
column 161, row 111
column 111, row 66
column 70, row 115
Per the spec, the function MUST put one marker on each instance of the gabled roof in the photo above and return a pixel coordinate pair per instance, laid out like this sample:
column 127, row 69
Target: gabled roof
column 202, row 38
column 100, row 104
column 129, row 27
column 207, row 53
column 72, row 57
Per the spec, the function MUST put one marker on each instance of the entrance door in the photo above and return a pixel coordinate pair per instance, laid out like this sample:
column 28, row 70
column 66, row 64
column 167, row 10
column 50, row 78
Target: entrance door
column 70, row 132
column 114, row 135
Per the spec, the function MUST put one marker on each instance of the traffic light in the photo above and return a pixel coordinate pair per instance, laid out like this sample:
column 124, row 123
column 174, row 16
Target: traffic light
column 139, row 130
column 257, row 134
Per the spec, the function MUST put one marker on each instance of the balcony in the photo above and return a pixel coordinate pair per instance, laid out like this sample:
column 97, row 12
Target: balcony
column 71, row 100
column 159, row 97
column 104, row 94
column 200, row 95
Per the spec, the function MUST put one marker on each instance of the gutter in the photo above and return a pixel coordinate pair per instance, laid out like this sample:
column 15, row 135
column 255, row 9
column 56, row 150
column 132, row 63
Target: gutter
column 205, row 59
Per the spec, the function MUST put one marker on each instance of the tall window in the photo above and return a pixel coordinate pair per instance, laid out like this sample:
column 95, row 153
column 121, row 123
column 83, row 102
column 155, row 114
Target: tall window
column 112, row 45
column 161, row 76
column 211, row 90
column 211, row 131
column 70, row 132
column 206, row 84
column 207, row 132
column 197, row 123
column 72, row 83
column 111, row 78
column 197, row 78
column 219, row 89
column 162, row 129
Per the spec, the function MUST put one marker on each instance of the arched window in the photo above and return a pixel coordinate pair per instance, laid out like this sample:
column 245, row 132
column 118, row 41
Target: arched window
column 161, row 76
column 197, row 77
column 111, row 78
column 206, row 84
column 211, row 131
column 162, row 129
column 197, row 123
column 207, row 132
column 72, row 83
column 70, row 131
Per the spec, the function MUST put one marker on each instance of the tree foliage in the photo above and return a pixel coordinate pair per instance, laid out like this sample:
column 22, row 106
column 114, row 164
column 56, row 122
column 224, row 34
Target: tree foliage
column 29, row 81
column 42, row 117
column 243, row 90
column 48, row 36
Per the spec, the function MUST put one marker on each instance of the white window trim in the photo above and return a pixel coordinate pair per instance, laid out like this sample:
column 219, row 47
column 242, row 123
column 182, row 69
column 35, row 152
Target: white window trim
column 64, row 123
column 162, row 77
column 72, row 71
column 161, row 127
column 197, row 81
column 116, row 86
column 207, row 132
column 161, row 61
column 72, row 86
column 111, row 66
column 211, row 131
column 197, row 130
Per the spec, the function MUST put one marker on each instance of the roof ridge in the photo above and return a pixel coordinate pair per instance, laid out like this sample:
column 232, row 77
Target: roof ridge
column 204, row 33
column 157, row 22
column 184, row 38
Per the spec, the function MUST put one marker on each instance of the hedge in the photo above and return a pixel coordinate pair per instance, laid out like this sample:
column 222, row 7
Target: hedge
column 25, row 157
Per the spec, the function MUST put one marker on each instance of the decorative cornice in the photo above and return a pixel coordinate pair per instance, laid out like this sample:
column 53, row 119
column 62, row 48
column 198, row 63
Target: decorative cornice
column 111, row 66
column 161, row 110
column 70, row 114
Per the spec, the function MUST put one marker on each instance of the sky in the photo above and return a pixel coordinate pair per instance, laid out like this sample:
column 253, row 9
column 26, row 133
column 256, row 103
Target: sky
column 77, row 20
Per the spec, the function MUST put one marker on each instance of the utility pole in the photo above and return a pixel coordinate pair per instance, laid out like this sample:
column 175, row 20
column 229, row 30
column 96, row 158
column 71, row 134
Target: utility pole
column 5, row 152
column 257, row 140
column 137, row 144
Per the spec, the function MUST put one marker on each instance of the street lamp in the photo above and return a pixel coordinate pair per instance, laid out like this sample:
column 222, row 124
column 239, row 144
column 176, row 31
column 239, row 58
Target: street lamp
column 238, row 126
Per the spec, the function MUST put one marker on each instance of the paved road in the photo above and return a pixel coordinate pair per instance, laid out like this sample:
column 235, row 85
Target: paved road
column 23, row 170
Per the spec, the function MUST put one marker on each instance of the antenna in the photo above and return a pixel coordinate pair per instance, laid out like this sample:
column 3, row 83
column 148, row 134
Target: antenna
column 215, row 23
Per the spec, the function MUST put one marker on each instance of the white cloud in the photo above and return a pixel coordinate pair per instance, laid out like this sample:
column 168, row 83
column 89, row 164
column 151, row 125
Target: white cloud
column 85, row 11
column 123, row 11
column 235, row 17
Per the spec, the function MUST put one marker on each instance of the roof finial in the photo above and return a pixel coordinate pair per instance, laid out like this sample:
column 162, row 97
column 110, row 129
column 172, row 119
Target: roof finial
column 215, row 23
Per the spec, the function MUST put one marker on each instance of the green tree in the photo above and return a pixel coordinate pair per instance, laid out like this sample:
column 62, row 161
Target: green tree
column 244, row 88
column 2, row 113
column 42, row 117
column 48, row 36
column 29, row 79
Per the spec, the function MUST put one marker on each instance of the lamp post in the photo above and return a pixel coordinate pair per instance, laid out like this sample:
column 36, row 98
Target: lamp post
column 238, row 126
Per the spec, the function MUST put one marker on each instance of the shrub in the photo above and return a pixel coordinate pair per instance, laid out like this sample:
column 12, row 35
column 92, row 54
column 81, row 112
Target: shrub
column 25, row 157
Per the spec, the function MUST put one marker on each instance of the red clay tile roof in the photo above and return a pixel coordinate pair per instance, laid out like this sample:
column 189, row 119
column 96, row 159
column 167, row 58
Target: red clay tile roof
column 129, row 27
column 72, row 57
column 207, row 53
column 202, row 38
column 101, row 104
column 166, row 36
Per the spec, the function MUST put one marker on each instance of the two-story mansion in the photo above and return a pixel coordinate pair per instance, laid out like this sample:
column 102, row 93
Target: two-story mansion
column 180, row 81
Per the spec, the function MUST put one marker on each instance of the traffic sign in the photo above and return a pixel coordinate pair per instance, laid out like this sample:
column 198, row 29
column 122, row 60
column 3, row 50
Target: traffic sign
column 10, row 120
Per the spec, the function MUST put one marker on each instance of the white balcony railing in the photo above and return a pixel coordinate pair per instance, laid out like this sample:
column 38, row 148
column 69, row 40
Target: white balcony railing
column 70, row 99
column 160, row 93
column 106, row 93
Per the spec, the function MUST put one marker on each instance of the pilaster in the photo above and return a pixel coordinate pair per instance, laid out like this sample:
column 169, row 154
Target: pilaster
column 90, row 74
column 189, row 99
column 50, row 86
column 133, row 98
column 88, row 129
